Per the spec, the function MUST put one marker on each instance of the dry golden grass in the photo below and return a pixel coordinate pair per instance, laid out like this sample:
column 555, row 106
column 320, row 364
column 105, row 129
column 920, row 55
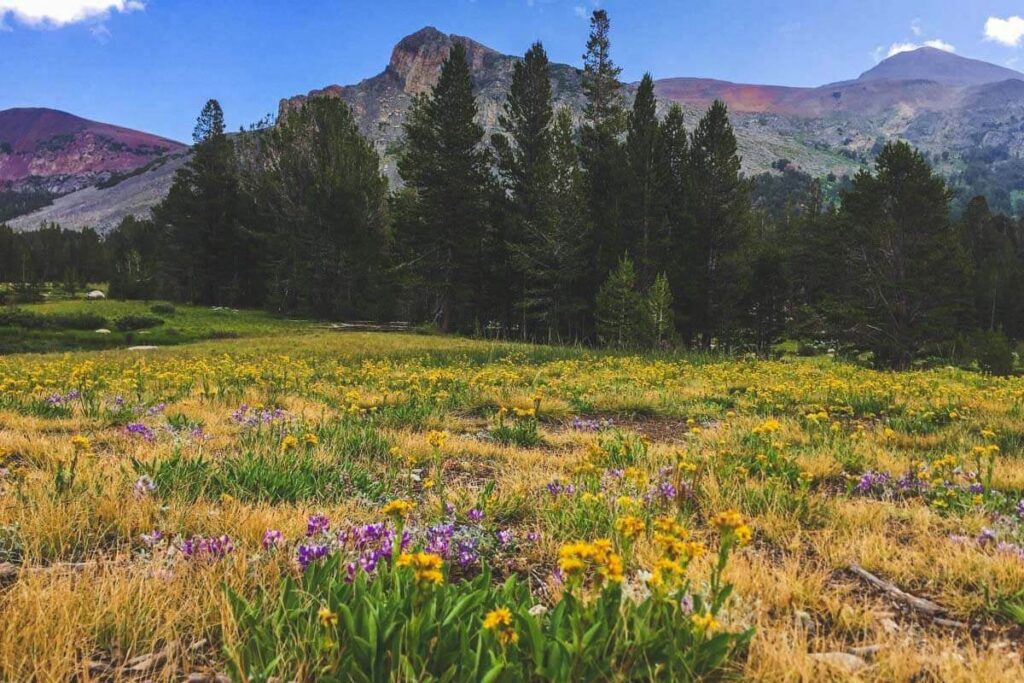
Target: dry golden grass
column 88, row 591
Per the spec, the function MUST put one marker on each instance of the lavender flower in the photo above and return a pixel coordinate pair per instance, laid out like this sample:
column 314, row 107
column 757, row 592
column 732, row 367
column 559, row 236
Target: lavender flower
column 504, row 537
column 307, row 554
column 317, row 524
column 211, row 548
column 144, row 486
column 272, row 538
column 139, row 429
column 153, row 537
column 476, row 515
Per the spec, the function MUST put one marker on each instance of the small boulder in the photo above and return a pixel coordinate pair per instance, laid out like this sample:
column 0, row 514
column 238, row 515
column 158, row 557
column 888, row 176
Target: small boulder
column 103, row 330
column 95, row 295
column 843, row 661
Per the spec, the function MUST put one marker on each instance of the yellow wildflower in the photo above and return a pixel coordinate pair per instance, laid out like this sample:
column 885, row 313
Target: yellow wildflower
column 499, row 620
column 426, row 567
column 399, row 509
column 436, row 439
column 630, row 526
column 327, row 617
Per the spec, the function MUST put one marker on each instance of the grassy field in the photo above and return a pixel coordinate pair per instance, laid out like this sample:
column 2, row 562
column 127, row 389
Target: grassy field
column 317, row 505
column 174, row 325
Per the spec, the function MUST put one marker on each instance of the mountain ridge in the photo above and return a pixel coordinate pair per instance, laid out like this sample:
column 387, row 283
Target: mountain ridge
column 830, row 129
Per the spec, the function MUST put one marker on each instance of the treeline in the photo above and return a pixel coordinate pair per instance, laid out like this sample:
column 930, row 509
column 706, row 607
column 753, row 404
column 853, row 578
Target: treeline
column 51, row 254
column 623, row 229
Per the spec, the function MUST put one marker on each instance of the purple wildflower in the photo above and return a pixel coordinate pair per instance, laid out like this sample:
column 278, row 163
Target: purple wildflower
column 144, row 486
column 317, row 524
column 139, row 429
column 212, row 548
column 307, row 554
column 153, row 537
column 476, row 515
column 272, row 538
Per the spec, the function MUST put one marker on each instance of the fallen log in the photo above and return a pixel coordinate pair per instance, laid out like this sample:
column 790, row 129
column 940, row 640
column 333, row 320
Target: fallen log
column 920, row 604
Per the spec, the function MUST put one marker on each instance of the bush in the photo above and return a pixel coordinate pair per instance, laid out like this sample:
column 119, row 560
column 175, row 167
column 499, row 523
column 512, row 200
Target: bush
column 992, row 352
column 163, row 309
column 63, row 321
column 129, row 323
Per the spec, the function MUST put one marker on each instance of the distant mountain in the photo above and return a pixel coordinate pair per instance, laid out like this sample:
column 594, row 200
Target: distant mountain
column 82, row 173
column 925, row 96
column 961, row 112
column 103, row 207
column 939, row 66
column 45, row 149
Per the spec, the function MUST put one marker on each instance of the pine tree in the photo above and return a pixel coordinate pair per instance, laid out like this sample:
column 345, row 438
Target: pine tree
column 568, row 265
column 910, row 291
column 319, row 200
column 660, row 320
column 619, row 308
column 645, row 219
column 721, row 212
column 525, row 164
column 446, row 170
column 996, row 266
column 601, row 152
column 671, row 253
column 205, row 260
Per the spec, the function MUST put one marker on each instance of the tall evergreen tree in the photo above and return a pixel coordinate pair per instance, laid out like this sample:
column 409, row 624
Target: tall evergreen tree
column 644, row 219
column 671, row 254
column 910, row 291
column 996, row 267
column 601, row 152
column 721, row 212
column 525, row 165
column 206, row 260
column 318, row 199
column 445, row 167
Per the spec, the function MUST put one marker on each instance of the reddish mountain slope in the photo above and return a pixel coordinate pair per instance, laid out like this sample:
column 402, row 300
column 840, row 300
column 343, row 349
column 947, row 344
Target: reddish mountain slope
column 59, row 152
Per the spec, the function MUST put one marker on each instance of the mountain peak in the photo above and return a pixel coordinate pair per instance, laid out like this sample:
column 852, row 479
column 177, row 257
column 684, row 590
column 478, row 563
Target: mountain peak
column 939, row 66
column 416, row 59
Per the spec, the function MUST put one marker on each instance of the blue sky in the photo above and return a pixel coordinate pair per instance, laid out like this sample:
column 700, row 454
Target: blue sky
column 150, row 64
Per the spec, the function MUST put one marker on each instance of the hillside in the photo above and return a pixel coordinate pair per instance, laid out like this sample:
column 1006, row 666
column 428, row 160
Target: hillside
column 102, row 208
column 45, row 149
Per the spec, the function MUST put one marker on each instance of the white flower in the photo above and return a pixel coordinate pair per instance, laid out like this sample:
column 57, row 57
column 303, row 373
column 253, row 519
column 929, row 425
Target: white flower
column 538, row 610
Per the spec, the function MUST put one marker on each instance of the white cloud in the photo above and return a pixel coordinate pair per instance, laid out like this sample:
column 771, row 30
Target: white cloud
column 939, row 45
column 1008, row 31
column 915, row 27
column 580, row 11
column 55, row 13
column 897, row 48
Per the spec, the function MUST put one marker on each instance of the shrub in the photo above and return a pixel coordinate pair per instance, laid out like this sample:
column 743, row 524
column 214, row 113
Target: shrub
column 163, row 309
column 992, row 351
column 63, row 321
column 129, row 323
